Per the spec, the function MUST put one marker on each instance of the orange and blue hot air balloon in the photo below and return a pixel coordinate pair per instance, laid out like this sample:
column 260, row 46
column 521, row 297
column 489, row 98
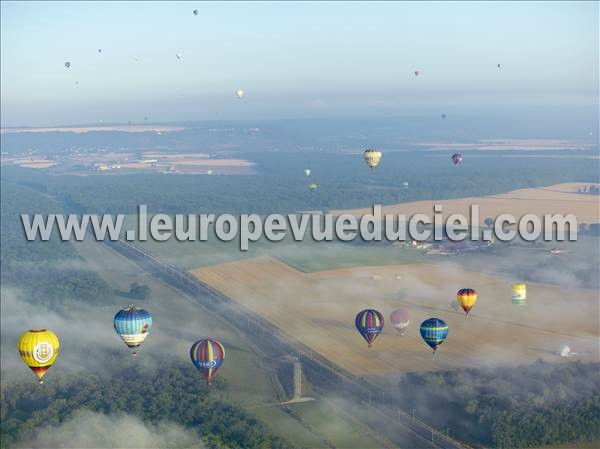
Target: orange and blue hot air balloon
column 434, row 332
column 133, row 325
column 466, row 297
column 369, row 323
column 207, row 356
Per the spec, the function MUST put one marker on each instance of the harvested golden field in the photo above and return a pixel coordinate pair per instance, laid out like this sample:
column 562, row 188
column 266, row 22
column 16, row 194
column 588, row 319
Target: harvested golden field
column 319, row 310
column 555, row 199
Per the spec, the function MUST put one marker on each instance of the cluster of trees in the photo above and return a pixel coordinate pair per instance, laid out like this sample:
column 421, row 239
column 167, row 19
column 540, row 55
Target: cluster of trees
column 173, row 393
column 529, row 406
column 139, row 291
column 44, row 270
column 344, row 181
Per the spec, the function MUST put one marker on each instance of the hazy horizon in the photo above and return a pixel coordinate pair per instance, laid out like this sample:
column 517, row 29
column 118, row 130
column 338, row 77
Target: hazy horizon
column 294, row 60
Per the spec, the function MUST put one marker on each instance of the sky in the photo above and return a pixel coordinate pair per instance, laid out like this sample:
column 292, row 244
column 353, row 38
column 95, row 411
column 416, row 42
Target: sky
column 293, row 59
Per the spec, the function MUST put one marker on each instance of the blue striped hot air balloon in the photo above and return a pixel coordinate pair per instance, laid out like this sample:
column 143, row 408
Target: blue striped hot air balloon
column 369, row 323
column 133, row 325
column 434, row 332
column 207, row 356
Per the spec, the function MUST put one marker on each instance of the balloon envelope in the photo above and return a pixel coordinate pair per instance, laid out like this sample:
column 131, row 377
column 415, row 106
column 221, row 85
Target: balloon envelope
column 207, row 356
column 39, row 349
column 400, row 319
column 372, row 157
column 67, row 64
column 133, row 325
column 434, row 332
column 239, row 93
column 466, row 297
column 307, row 172
column 369, row 323
column 457, row 158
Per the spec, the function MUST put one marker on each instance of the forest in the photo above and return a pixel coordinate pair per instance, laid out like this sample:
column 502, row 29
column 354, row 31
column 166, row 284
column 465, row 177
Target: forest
column 513, row 407
column 46, row 271
column 173, row 393
column 344, row 181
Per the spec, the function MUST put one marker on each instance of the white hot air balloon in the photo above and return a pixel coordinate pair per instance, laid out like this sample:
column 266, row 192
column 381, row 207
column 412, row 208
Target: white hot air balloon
column 239, row 93
column 307, row 172
column 565, row 351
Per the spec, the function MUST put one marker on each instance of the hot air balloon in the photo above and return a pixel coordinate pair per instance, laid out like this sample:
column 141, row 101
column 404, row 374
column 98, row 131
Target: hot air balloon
column 133, row 325
column 207, row 356
column 417, row 73
column 39, row 349
column 239, row 93
column 400, row 320
column 434, row 332
column 466, row 297
column 457, row 158
column 443, row 115
column 67, row 64
column 498, row 65
column 178, row 55
column 519, row 294
column 99, row 50
column 372, row 157
column 312, row 187
column 195, row 12
column 369, row 323
column 307, row 172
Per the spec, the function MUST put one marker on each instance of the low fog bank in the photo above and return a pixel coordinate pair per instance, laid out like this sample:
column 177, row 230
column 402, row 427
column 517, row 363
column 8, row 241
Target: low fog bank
column 86, row 429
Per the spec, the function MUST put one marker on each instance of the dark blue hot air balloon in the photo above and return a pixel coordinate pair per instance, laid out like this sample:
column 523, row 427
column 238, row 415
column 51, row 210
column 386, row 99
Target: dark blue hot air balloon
column 369, row 323
column 434, row 332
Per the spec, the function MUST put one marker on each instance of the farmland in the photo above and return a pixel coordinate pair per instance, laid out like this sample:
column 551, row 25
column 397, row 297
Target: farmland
column 554, row 199
column 319, row 309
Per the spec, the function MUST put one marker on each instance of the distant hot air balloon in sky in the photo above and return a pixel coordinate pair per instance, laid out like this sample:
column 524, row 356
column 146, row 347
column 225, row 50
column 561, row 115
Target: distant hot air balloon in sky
column 417, row 72
column 239, row 93
column 519, row 294
column 434, row 332
column 67, row 64
column 195, row 12
column 443, row 115
column 39, row 349
column 457, row 158
column 372, row 157
column 369, row 323
column 133, row 325
column 99, row 50
column 207, row 356
column 400, row 319
column 498, row 65
column 178, row 55
column 307, row 172
column 466, row 297
column 312, row 187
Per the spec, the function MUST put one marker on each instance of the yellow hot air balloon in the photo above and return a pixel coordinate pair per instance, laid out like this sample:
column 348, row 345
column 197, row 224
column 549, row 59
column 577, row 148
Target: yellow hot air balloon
column 372, row 157
column 466, row 297
column 519, row 294
column 39, row 349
